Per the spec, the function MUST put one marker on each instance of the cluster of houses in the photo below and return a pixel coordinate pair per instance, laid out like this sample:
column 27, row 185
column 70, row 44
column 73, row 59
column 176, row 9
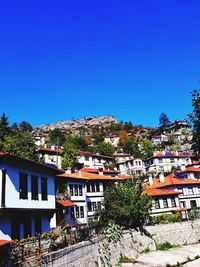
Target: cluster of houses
column 36, row 198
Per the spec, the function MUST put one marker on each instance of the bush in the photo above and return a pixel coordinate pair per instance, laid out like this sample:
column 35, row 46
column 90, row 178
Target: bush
column 165, row 218
column 166, row 245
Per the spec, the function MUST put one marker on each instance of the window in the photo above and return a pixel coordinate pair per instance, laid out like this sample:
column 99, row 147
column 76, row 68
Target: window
column 71, row 190
column 190, row 191
column 34, row 187
column 81, row 212
column 89, row 206
column 193, row 203
column 157, row 204
column 77, row 212
column 80, row 190
column 93, row 187
column 172, row 160
column 87, row 158
column 38, row 224
column 94, row 206
column 76, row 190
column 160, row 160
column 99, row 205
column 23, row 186
column 97, row 188
column 88, row 187
column 173, row 202
column 165, row 204
column 44, row 188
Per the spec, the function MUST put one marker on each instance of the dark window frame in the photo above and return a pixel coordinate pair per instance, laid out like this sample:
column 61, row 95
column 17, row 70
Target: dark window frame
column 44, row 188
column 23, row 185
column 34, row 187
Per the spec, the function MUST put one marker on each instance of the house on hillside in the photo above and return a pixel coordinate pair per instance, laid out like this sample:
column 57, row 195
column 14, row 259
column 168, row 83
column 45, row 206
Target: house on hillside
column 51, row 155
column 90, row 160
column 85, row 192
column 185, row 193
column 27, row 197
column 166, row 161
column 127, row 164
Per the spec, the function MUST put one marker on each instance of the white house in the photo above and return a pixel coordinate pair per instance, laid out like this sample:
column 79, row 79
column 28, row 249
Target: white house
column 167, row 161
column 90, row 160
column 159, row 139
column 51, row 155
column 27, row 197
column 187, row 191
column 85, row 191
column 112, row 139
column 127, row 164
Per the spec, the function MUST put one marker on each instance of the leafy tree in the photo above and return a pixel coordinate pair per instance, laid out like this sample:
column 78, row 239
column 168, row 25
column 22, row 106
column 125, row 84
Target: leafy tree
column 56, row 137
column 4, row 127
column 105, row 149
column 98, row 135
column 14, row 127
column 128, row 126
column 25, row 127
column 131, row 146
column 122, row 136
column 163, row 120
column 195, row 121
column 20, row 144
column 126, row 204
column 70, row 154
column 114, row 127
column 146, row 148
column 79, row 142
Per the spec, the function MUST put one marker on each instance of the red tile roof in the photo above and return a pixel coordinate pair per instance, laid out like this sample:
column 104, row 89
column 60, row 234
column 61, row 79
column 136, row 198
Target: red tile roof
column 171, row 180
column 81, row 175
column 93, row 170
column 66, row 203
column 5, row 242
column 160, row 192
column 191, row 169
column 173, row 155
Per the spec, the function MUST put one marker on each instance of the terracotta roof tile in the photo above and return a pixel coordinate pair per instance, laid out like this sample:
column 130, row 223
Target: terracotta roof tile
column 5, row 242
column 66, row 203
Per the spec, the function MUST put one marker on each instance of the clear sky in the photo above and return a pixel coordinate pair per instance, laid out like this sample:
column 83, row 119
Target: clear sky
column 69, row 59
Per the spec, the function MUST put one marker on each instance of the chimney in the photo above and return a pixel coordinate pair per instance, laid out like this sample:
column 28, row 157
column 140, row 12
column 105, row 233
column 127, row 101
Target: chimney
column 183, row 168
column 150, row 180
column 101, row 171
column 162, row 177
column 68, row 171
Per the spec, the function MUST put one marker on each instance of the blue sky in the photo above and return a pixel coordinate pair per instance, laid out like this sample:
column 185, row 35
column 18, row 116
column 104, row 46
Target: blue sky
column 69, row 59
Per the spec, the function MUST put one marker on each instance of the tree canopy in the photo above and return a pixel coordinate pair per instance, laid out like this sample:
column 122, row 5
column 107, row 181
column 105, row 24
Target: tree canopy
column 105, row 149
column 126, row 204
column 56, row 137
column 195, row 121
column 163, row 120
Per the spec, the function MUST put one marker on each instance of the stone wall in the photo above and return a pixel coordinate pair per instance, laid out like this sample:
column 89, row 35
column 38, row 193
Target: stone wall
column 132, row 243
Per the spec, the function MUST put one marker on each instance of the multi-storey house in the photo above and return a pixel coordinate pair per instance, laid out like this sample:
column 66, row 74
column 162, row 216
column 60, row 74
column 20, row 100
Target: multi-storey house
column 187, row 191
column 90, row 160
column 112, row 139
column 51, row 155
column 167, row 161
column 27, row 197
column 85, row 192
column 127, row 164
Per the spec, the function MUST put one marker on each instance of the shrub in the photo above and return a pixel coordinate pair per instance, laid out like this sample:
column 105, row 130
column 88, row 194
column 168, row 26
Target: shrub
column 165, row 218
column 166, row 245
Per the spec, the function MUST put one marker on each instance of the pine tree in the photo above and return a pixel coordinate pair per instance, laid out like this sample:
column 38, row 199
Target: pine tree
column 195, row 121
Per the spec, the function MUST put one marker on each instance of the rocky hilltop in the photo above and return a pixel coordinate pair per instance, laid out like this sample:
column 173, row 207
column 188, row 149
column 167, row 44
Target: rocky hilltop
column 74, row 126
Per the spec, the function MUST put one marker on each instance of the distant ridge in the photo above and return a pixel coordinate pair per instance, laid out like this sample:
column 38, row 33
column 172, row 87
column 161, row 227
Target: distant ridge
column 74, row 126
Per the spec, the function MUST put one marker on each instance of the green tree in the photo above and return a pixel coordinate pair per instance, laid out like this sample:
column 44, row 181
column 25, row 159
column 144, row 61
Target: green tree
column 131, row 146
column 105, row 149
column 20, row 144
column 25, row 127
column 146, row 148
column 4, row 127
column 70, row 154
column 56, row 137
column 79, row 142
column 195, row 122
column 126, row 204
column 128, row 126
column 163, row 121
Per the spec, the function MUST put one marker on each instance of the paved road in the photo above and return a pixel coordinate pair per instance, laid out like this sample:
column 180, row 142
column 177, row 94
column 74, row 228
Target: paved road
column 172, row 256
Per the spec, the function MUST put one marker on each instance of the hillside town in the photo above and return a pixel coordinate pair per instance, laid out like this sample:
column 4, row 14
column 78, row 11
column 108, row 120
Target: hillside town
column 58, row 182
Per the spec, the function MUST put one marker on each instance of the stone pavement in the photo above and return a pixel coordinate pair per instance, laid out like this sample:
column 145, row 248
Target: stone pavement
column 172, row 257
